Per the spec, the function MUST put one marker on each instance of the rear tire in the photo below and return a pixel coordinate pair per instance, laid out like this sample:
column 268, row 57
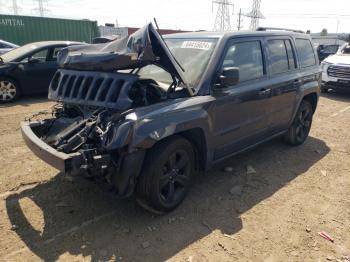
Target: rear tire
column 9, row 90
column 166, row 176
column 300, row 128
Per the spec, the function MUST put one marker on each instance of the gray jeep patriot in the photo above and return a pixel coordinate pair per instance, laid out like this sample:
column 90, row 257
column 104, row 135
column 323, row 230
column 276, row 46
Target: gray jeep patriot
column 146, row 112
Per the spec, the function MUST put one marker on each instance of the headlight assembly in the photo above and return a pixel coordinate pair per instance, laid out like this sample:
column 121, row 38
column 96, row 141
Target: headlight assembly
column 324, row 66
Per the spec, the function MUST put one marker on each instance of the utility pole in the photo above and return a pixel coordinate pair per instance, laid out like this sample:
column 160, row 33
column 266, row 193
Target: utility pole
column 15, row 7
column 240, row 20
column 41, row 9
column 222, row 20
column 255, row 15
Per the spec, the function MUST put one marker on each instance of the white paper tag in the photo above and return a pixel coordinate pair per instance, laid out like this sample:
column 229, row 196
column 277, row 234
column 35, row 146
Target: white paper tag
column 196, row 45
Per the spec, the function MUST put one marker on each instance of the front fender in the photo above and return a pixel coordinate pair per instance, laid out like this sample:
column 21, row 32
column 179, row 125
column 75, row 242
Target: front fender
column 146, row 126
column 151, row 130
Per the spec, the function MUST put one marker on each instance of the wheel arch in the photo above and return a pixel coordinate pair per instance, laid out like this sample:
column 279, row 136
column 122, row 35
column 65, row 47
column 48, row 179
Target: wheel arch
column 312, row 98
column 196, row 137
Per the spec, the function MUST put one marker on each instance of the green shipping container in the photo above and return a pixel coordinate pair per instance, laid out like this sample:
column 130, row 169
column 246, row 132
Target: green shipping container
column 26, row 29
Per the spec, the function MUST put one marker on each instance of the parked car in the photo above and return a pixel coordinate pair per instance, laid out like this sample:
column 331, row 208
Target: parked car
column 6, row 46
column 29, row 69
column 104, row 39
column 323, row 51
column 336, row 70
column 148, row 116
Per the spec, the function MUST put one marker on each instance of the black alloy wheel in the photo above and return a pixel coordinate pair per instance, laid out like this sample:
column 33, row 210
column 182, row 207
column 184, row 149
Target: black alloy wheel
column 167, row 175
column 175, row 177
column 300, row 129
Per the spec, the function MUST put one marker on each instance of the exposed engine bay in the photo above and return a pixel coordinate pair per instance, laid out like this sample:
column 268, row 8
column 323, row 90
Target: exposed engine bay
column 98, row 136
column 93, row 102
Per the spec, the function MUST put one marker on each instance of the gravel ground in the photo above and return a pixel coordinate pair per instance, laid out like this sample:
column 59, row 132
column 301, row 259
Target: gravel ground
column 272, row 214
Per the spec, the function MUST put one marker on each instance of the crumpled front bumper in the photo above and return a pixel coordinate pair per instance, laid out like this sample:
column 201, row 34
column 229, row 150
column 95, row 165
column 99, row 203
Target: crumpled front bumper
column 67, row 163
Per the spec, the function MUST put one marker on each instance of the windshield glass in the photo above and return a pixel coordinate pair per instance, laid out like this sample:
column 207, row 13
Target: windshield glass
column 14, row 54
column 330, row 49
column 192, row 54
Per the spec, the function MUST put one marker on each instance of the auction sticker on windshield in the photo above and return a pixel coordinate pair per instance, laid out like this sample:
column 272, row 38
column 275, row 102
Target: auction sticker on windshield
column 196, row 45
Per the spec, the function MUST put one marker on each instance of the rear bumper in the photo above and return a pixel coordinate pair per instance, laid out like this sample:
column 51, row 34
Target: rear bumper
column 67, row 163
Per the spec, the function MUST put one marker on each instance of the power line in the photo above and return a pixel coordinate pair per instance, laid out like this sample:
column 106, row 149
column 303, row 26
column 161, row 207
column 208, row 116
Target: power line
column 223, row 19
column 308, row 14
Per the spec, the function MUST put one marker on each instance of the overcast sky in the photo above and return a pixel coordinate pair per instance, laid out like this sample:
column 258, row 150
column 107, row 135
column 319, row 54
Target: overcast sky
column 197, row 14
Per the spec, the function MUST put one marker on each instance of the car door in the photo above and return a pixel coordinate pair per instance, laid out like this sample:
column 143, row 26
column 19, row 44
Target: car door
column 38, row 70
column 242, row 110
column 284, row 79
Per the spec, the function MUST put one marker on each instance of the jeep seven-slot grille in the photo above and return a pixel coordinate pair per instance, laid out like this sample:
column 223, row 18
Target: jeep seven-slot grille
column 101, row 89
column 339, row 71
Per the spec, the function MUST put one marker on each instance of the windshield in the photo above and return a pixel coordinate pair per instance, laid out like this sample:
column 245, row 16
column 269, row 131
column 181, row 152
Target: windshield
column 14, row 54
column 330, row 49
column 192, row 54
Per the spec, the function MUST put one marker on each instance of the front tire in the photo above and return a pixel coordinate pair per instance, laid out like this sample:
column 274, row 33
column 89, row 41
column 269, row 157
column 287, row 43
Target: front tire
column 9, row 90
column 167, row 175
column 300, row 128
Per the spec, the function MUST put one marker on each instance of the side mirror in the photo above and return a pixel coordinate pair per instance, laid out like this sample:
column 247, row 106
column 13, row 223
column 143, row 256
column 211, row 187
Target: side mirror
column 228, row 77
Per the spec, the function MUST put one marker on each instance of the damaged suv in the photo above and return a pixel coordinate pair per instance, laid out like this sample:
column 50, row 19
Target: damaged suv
column 145, row 113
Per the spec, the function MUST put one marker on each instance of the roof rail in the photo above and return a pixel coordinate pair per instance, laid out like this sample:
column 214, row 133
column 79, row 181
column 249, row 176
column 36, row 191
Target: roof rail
column 280, row 29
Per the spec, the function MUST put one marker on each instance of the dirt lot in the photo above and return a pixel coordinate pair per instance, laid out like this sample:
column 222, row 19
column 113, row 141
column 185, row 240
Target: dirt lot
column 275, row 215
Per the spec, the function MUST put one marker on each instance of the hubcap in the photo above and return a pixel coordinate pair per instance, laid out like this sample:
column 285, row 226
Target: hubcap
column 304, row 123
column 175, row 177
column 7, row 90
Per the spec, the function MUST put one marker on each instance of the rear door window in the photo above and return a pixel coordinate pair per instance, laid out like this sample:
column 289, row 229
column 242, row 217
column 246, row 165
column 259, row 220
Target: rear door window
column 281, row 56
column 291, row 57
column 278, row 57
column 54, row 53
column 247, row 56
column 305, row 52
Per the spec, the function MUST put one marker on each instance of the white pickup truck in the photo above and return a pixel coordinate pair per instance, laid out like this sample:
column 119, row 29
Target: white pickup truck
column 336, row 70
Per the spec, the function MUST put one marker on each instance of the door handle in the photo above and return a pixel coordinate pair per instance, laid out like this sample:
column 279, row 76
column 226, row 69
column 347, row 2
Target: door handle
column 264, row 91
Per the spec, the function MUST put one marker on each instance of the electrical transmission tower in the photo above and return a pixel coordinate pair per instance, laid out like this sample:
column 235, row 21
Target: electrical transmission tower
column 255, row 15
column 222, row 20
column 15, row 8
column 41, row 9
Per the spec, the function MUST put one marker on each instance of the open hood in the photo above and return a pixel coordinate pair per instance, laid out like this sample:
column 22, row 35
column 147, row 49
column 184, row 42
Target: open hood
column 142, row 48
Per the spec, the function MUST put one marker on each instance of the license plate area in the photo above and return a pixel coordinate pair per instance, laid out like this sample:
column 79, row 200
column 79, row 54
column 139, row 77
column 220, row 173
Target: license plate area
column 344, row 82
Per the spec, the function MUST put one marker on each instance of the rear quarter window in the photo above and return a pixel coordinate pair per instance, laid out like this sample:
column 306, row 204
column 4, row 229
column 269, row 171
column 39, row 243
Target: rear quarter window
column 305, row 52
